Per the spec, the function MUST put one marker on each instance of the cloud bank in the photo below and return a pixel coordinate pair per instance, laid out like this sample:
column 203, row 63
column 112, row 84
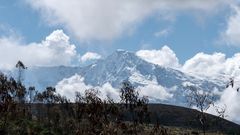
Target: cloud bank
column 229, row 98
column 232, row 33
column 107, row 19
column 88, row 56
column 201, row 64
column 155, row 91
column 55, row 50
column 213, row 65
column 69, row 86
column 164, row 57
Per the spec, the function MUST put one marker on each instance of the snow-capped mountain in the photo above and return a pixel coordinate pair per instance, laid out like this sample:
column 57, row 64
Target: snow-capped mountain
column 121, row 66
column 160, row 84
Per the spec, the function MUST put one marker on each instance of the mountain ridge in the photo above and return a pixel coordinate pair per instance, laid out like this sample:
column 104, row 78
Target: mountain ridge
column 118, row 67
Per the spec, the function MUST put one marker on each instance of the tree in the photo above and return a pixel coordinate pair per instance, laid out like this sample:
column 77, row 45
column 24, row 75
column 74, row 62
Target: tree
column 21, row 67
column 94, row 110
column 232, row 83
column 79, row 110
column 48, row 97
column 221, row 113
column 9, row 90
column 128, row 95
column 31, row 93
column 7, row 104
column 202, row 100
column 134, row 104
column 21, row 91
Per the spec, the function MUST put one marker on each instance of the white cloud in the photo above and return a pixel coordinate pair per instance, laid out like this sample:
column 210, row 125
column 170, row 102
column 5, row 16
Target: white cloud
column 232, row 32
column 203, row 63
column 213, row 65
column 108, row 19
column 229, row 98
column 164, row 57
column 108, row 91
column 54, row 50
column 69, row 86
column 150, row 87
column 162, row 33
column 155, row 91
column 88, row 56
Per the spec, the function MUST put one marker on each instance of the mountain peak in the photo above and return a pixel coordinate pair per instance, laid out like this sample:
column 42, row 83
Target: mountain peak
column 122, row 56
column 120, row 50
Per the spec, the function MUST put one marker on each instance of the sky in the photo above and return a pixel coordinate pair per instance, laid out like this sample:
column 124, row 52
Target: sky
column 99, row 28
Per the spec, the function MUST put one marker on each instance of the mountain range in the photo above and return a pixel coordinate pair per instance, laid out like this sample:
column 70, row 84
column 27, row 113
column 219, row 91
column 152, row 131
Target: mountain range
column 154, row 80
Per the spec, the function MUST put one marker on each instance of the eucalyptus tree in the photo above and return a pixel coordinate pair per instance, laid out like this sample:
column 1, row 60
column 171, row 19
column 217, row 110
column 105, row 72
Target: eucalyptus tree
column 202, row 100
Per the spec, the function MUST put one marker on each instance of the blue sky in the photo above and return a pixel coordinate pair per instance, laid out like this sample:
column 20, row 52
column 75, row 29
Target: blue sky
column 187, row 30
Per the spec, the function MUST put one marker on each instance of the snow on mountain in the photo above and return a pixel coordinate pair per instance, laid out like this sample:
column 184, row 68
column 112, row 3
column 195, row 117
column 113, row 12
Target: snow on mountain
column 160, row 84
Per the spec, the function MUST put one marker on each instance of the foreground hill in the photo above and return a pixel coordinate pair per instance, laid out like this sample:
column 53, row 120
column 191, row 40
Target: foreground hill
column 174, row 120
column 175, row 116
